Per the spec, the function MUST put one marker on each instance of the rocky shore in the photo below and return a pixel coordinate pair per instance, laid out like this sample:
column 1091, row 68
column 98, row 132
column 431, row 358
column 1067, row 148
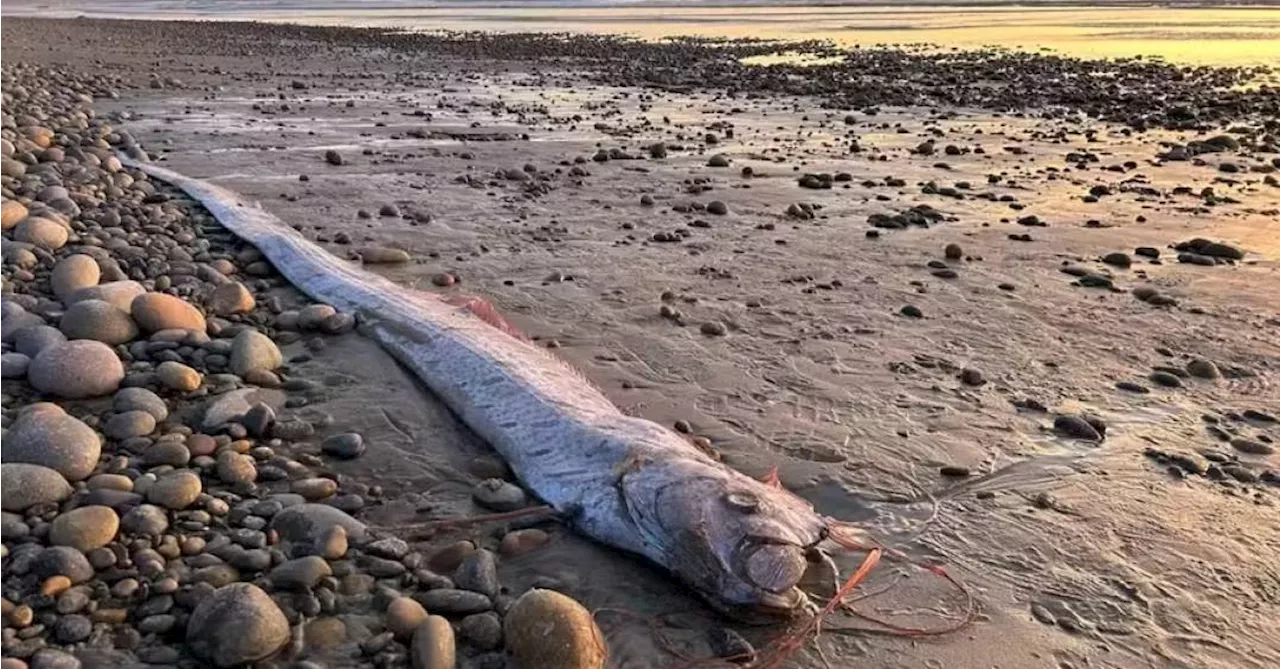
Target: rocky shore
column 1015, row 312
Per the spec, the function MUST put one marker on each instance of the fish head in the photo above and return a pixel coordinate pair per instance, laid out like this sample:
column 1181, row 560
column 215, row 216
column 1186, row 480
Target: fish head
column 743, row 545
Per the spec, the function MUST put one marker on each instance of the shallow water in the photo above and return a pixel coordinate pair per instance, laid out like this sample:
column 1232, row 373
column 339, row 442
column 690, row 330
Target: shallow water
column 1205, row 36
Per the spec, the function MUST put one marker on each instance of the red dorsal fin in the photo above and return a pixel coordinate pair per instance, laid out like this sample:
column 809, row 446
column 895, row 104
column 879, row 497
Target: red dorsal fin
column 485, row 311
column 771, row 478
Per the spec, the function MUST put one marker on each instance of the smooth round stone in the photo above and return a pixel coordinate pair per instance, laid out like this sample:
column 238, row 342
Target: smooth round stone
column 14, row 365
column 1203, row 369
column 145, row 519
column 129, row 424
column 177, row 376
column 453, row 601
column 99, row 321
column 84, row 528
column 478, row 573
column 73, row 273
column 140, row 399
column 57, row 441
column 404, row 615
column 433, row 645
column 72, row 629
column 315, row 488
column 26, row 485
column 76, row 370
column 12, row 526
column 159, row 311
column 300, row 573
column 110, row 482
column 11, row 213
column 312, row 316
column 230, row 298
column 237, row 624
column 233, row 467
column 42, row 232
column 172, row 453
column 519, row 542
column 176, row 490
column 381, row 255
column 304, row 528
column 483, row 631
column 119, row 293
column 498, row 495
column 252, row 350
column 62, row 561
column 549, row 630
column 52, row 658
column 346, row 446
column 34, row 339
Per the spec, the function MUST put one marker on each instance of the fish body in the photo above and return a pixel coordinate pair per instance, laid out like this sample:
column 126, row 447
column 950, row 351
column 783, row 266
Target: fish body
column 623, row 481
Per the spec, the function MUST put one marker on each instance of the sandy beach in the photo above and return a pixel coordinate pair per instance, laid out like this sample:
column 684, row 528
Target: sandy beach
column 955, row 298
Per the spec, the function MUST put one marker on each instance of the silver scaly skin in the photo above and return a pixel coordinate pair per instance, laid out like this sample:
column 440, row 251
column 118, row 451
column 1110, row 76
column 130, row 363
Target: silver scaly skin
column 625, row 482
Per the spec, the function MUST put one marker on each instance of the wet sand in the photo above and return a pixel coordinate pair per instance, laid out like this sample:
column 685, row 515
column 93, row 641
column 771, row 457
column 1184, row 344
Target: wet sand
column 934, row 432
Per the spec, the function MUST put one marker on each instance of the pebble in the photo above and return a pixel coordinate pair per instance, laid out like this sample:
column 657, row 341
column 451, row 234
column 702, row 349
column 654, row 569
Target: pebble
column 549, row 630
column 72, row 273
column 230, row 298
column 84, row 528
column 237, row 624
column 252, row 350
column 483, row 631
column 76, row 370
column 315, row 488
column 31, row 340
column 62, row 561
column 404, row 615
column 11, row 213
column 140, row 399
column 119, row 293
column 158, row 311
column 519, row 542
column 176, row 490
column 304, row 529
column 453, row 601
column 42, row 232
column 498, row 495
column 98, row 320
column 72, row 629
column 714, row 329
column 233, row 467
column 1076, row 428
column 346, row 446
column 26, row 485
column 1203, row 369
column 129, row 424
column 145, row 519
column 953, row 252
column 1165, row 379
column 300, row 573
column 55, row 440
column 478, row 572
column 177, row 376
column 1252, row 446
column 433, row 645
column 52, row 658
column 448, row 558
column 14, row 365
column 972, row 377
column 912, row 311
column 384, row 256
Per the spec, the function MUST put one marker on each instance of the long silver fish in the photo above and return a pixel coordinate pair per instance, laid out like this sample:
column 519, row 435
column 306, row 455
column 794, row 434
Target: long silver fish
column 626, row 482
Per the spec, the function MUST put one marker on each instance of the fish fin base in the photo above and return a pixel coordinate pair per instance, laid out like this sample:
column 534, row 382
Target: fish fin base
column 485, row 311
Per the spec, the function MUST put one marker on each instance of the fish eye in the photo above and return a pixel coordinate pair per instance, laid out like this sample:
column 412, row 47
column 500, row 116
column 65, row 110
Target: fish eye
column 743, row 501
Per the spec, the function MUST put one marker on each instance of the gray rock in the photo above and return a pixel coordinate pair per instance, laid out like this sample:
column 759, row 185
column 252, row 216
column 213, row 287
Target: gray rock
column 14, row 365
column 140, row 399
column 454, row 602
column 478, row 573
column 237, row 624
column 145, row 519
column 76, row 369
column 304, row 528
column 345, row 446
column 172, row 453
column 73, row 273
column 118, row 293
column 63, row 561
column 84, row 528
column 482, row 630
column 433, row 645
column 233, row 467
column 99, row 321
column 57, row 441
column 31, row 340
column 252, row 350
column 72, row 629
column 129, row 424
column 26, row 485
column 52, row 658
column 498, row 495
column 231, row 406
column 300, row 573
column 176, row 490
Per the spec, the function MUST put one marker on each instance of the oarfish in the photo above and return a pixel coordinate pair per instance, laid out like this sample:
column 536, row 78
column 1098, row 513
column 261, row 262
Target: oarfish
column 626, row 482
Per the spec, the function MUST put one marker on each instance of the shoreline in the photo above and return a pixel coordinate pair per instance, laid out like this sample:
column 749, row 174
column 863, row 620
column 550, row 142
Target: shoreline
column 761, row 307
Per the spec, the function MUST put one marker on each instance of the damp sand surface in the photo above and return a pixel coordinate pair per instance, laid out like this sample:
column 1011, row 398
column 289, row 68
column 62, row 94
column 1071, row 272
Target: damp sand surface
column 1078, row 553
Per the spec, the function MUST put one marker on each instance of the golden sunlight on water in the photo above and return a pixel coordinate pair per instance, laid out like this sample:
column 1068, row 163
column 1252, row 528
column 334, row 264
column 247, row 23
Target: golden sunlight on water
column 1210, row 36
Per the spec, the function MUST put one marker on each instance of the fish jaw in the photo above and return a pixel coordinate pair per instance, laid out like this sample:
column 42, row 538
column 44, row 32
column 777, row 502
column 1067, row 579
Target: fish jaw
column 741, row 544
